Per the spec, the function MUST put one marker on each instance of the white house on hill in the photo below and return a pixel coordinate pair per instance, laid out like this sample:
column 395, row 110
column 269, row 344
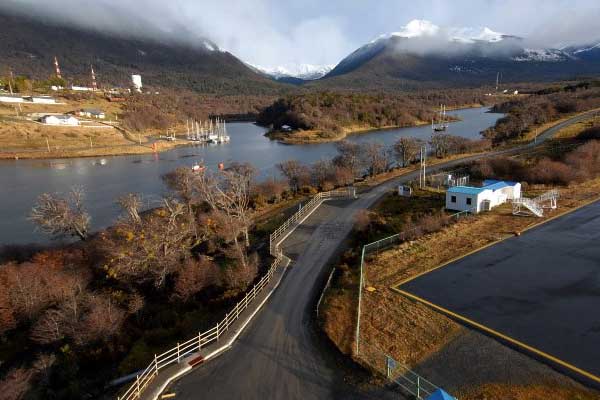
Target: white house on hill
column 477, row 199
column 65, row 120
column 91, row 113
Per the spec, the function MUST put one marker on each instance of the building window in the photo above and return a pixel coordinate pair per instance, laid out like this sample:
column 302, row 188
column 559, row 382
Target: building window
column 469, row 201
column 452, row 199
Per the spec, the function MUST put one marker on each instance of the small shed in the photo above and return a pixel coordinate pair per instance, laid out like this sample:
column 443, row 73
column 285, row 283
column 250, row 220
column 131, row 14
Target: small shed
column 91, row 113
column 286, row 128
column 63, row 120
column 484, row 198
column 404, row 191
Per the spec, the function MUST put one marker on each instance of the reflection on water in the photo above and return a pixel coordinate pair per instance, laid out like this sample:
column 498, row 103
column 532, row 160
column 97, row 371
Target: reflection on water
column 106, row 178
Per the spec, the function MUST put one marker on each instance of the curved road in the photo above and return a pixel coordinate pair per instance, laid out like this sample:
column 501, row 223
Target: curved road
column 280, row 355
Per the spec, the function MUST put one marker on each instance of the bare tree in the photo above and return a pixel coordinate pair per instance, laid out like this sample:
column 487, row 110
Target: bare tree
column 376, row 158
column 295, row 172
column 102, row 320
column 131, row 204
column 151, row 250
column 441, row 144
column 406, row 150
column 321, row 173
column 16, row 384
column 350, row 156
column 62, row 216
column 50, row 327
column 195, row 276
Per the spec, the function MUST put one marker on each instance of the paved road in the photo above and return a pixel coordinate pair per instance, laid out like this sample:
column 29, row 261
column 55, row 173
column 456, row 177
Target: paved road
column 280, row 355
column 542, row 288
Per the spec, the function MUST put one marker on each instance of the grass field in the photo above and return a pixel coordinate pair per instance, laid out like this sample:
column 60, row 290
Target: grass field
column 23, row 138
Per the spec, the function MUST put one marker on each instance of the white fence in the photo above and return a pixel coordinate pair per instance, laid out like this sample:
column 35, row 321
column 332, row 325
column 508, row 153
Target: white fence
column 278, row 235
column 201, row 340
column 196, row 343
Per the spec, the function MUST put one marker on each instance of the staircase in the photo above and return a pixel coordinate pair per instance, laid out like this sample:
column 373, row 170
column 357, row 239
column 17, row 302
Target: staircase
column 535, row 206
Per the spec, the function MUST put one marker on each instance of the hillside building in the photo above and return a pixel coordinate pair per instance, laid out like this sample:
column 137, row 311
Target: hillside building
column 11, row 98
column 60, row 120
column 484, row 198
column 40, row 99
column 91, row 113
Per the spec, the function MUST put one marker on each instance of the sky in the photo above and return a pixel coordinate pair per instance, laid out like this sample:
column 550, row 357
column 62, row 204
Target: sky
column 271, row 33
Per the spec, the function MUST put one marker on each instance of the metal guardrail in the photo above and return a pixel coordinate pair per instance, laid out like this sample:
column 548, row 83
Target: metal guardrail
column 409, row 380
column 398, row 373
column 201, row 340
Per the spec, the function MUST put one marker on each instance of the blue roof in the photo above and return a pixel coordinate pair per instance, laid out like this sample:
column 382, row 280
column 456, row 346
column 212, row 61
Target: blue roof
column 496, row 186
column 466, row 189
column 439, row 394
column 490, row 182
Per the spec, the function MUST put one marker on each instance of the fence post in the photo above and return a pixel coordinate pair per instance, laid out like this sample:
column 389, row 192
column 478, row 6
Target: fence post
column 155, row 364
column 137, row 384
column 199, row 341
column 418, row 387
column 177, row 352
column 218, row 334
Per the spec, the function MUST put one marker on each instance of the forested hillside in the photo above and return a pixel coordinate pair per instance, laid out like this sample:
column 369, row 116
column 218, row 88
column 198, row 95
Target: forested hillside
column 28, row 47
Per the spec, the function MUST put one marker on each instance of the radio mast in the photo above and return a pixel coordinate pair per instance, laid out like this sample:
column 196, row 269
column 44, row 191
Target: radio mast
column 58, row 75
column 94, row 85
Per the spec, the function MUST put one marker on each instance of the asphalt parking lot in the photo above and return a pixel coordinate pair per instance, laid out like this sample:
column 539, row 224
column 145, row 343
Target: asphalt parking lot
column 541, row 288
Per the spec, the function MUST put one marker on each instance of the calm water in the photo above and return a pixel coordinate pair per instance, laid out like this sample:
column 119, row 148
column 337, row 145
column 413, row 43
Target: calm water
column 106, row 178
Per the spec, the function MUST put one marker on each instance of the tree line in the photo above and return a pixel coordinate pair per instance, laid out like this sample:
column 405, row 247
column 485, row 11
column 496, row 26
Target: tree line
column 331, row 112
column 523, row 114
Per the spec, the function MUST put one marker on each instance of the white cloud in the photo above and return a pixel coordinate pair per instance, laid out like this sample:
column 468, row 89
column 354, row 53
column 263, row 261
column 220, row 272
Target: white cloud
column 284, row 32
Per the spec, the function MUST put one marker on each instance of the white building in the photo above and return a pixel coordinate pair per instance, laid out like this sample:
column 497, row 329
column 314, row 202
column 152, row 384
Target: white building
column 91, row 113
column 40, row 99
column 477, row 199
column 64, row 120
column 137, row 82
column 81, row 89
column 11, row 98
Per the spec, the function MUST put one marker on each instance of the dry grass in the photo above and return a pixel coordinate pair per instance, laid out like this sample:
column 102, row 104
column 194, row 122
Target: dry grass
column 21, row 138
column 575, row 129
column 529, row 136
column 413, row 333
column 528, row 392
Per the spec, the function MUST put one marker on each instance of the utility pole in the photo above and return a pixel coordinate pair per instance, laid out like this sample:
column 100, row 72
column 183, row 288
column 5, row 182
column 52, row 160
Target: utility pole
column 360, row 287
column 10, row 78
column 423, row 167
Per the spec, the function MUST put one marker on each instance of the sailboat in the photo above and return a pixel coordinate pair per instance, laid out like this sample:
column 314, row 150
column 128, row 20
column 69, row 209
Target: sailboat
column 442, row 124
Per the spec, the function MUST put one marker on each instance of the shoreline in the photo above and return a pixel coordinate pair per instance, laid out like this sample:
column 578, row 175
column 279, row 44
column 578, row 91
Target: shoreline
column 112, row 151
column 316, row 139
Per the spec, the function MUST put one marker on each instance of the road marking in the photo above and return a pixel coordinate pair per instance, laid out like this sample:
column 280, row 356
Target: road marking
column 500, row 335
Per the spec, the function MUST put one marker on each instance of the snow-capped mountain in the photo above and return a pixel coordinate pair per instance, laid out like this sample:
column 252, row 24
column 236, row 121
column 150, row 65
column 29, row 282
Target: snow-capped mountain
column 419, row 28
column 305, row 72
column 424, row 53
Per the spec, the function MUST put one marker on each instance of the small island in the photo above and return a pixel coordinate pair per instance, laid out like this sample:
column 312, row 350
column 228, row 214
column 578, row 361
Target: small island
column 326, row 116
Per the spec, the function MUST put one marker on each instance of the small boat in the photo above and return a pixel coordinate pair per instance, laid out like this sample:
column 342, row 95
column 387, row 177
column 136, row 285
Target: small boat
column 442, row 124
column 197, row 168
